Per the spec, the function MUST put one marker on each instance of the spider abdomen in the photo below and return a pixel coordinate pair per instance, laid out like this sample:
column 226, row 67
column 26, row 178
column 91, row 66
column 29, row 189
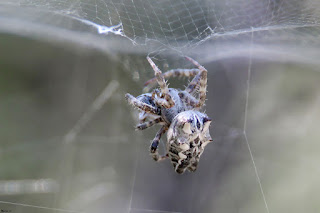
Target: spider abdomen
column 183, row 159
column 187, row 137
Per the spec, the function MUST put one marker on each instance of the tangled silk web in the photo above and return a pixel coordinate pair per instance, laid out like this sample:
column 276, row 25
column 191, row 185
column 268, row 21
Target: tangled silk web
column 182, row 24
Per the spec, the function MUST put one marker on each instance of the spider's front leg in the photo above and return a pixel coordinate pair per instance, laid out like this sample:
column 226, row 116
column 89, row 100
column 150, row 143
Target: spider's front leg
column 200, row 81
column 188, row 99
column 166, row 100
column 169, row 74
column 141, row 105
column 148, row 124
column 155, row 143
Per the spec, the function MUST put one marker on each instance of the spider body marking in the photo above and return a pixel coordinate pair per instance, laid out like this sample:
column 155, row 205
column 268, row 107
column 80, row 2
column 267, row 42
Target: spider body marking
column 178, row 112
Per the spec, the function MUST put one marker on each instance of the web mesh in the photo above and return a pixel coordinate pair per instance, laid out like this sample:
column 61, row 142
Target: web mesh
column 179, row 24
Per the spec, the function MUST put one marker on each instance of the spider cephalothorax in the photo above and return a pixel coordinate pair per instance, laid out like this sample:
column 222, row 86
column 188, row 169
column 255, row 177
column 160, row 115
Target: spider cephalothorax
column 178, row 113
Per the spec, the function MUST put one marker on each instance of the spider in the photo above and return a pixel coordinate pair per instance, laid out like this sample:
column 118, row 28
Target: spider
column 178, row 112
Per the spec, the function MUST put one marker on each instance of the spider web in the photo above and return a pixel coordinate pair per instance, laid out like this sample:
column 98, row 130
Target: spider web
column 225, row 36
column 178, row 24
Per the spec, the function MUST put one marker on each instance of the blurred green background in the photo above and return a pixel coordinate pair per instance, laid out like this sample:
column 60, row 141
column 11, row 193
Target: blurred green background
column 263, row 91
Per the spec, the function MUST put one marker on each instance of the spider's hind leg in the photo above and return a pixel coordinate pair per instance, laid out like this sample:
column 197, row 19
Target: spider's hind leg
column 188, row 99
column 199, row 82
column 155, row 143
column 192, row 86
column 165, row 100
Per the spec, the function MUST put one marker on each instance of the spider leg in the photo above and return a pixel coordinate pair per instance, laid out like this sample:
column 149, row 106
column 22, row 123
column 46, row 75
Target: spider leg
column 149, row 124
column 200, row 80
column 188, row 99
column 158, row 100
column 144, row 117
column 155, row 143
column 191, row 88
column 166, row 100
column 141, row 105
column 171, row 73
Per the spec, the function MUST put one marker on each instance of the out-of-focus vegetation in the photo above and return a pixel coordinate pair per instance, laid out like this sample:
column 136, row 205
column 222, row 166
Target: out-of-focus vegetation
column 45, row 88
column 263, row 91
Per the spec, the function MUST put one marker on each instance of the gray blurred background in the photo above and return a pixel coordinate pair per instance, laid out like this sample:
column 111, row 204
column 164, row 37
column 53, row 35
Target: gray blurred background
column 63, row 148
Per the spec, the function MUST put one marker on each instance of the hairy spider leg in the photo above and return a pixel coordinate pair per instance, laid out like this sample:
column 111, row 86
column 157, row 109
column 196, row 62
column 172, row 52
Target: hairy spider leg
column 165, row 101
column 193, row 85
column 188, row 99
column 141, row 105
column 155, row 143
column 157, row 100
column 201, row 79
column 149, row 124
column 171, row 73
